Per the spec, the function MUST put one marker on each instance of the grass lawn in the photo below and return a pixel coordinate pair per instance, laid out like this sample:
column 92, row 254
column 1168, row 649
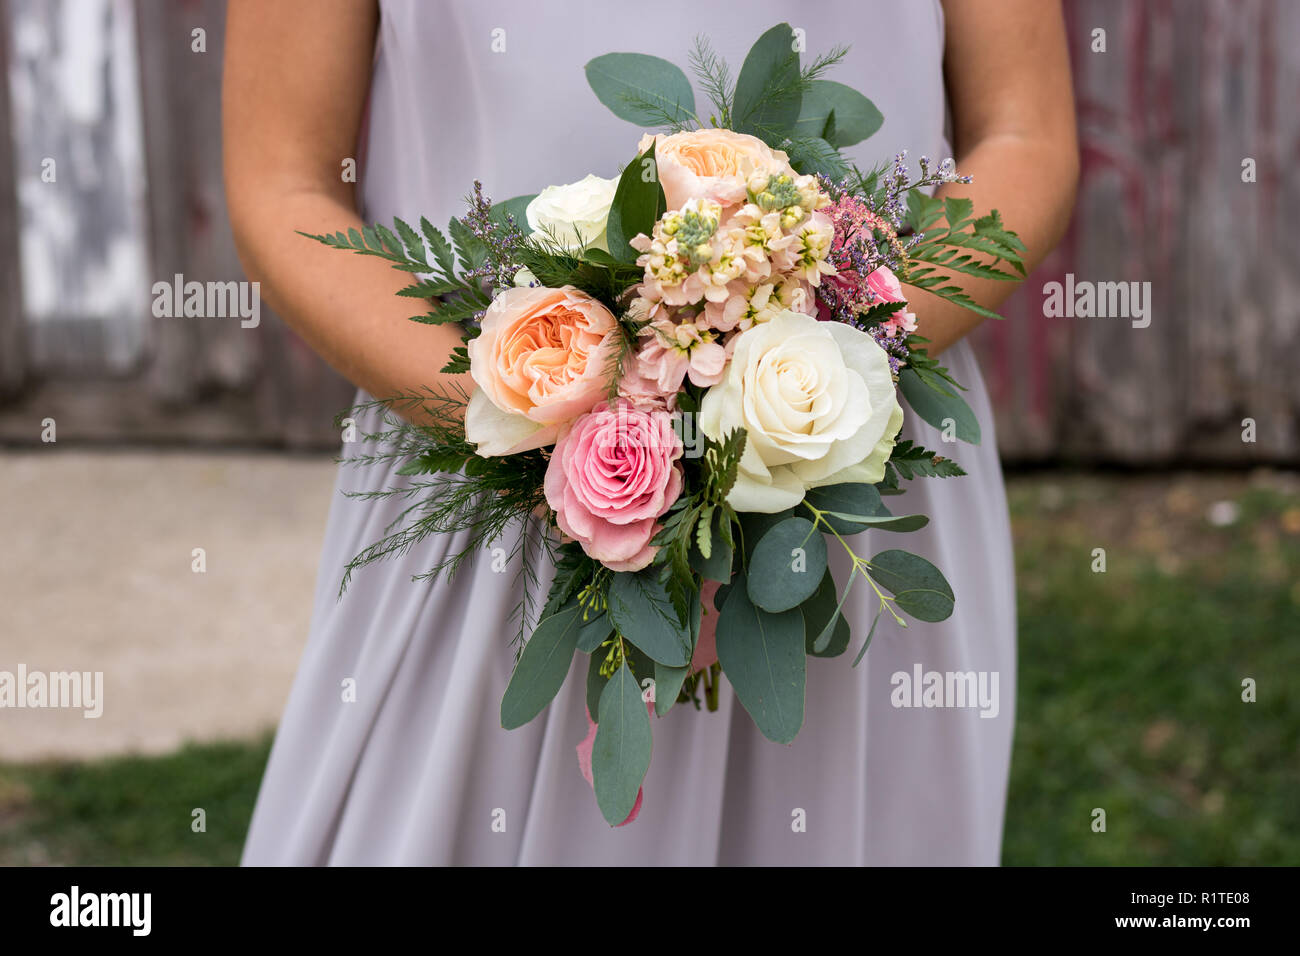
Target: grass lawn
column 1129, row 698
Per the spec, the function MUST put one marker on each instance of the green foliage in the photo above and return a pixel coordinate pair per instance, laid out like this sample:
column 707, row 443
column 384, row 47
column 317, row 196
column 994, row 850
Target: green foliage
column 833, row 504
column 714, row 77
column 826, row 632
column 919, row 588
column 714, row 546
column 837, row 113
column 541, row 668
column 513, row 211
column 637, row 205
column 938, row 405
column 814, row 156
column 909, row 460
column 878, row 313
column 787, row 565
column 763, row 656
column 966, row 246
column 451, row 489
column 701, row 510
column 646, row 90
column 460, row 299
column 620, row 755
column 643, row 612
column 768, row 92
column 593, row 271
column 668, row 686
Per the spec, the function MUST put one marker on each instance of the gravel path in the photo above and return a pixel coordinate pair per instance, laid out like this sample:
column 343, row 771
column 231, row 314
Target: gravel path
column 96, row 575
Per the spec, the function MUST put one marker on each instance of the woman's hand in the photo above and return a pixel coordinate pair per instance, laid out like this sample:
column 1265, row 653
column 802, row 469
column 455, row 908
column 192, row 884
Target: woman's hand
column 297, row 74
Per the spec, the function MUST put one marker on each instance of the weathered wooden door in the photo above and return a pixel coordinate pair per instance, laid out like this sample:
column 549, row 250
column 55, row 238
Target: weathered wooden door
column 113, row 184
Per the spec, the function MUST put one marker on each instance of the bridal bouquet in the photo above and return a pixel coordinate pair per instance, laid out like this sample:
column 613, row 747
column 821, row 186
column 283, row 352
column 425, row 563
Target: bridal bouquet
column 691, row 373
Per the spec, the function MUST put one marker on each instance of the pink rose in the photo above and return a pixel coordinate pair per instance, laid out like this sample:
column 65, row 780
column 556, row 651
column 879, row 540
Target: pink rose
column 539, row 362
column 886, row 287
column 711, row 164
column 612, row 474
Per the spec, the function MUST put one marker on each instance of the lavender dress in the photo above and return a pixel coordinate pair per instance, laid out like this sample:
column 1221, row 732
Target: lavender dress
column 416, row 769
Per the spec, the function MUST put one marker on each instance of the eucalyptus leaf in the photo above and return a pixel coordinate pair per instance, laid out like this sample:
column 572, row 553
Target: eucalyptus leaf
column 919, row 588
column 641, row 611
column 638, row 202
column 767, row 98
column 592, row 632
column 646, row 90
column 935, row 408
column 755, row 524
column 668, row 684
column 880, row 612
column 763, row 657
column 641, row 664
column 669, row 680
column 855, row 498
column 787, row 565
column 885, row 522
column 595, row 682
column 542, row 668
column 837, row 113
column 826, row 632
column 620, row 755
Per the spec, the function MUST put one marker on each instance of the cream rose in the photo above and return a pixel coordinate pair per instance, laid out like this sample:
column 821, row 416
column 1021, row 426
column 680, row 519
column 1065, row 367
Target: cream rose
column 817, row 402
column 575, row 214
column 711, row 164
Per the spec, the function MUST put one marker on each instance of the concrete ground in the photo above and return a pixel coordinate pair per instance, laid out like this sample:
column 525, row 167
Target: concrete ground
column 96, row 574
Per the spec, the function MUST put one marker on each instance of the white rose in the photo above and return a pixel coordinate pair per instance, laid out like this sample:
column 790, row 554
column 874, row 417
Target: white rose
column 818, row 403
column 575, row 214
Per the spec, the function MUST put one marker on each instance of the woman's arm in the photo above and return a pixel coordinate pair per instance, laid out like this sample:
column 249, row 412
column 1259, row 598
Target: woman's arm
column 1008, row 76
column 297, row 74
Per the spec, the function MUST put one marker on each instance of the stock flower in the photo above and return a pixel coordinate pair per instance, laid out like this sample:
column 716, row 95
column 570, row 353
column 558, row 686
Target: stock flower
column 711, row 164
column 575, row 215
column 818, row 405
column 759, row 304
column 670, row 351
column 612, row 474
column 539, row 362
column 731, row 260
column 812, row 249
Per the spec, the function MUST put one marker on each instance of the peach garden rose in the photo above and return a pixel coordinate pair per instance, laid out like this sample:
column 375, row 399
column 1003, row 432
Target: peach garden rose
column 713, row 164
column 539, row 362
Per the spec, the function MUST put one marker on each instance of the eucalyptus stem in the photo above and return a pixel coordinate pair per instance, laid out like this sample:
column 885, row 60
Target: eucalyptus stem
column 712, row 685
column 860, row 565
